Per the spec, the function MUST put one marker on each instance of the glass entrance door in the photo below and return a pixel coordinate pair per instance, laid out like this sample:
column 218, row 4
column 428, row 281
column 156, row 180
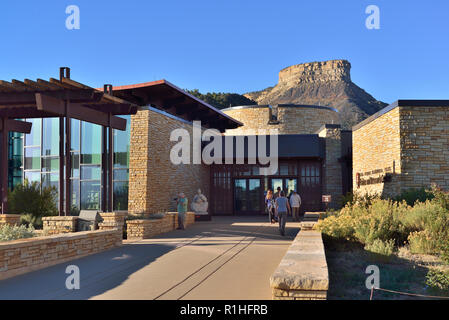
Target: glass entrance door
column 248, row 196
column 286, row 184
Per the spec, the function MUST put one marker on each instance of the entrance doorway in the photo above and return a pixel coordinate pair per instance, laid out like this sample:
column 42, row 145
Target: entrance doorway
column 248, row 196
column 286, row 184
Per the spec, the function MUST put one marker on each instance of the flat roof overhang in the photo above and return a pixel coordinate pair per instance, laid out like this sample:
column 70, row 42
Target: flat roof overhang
column 167, row 97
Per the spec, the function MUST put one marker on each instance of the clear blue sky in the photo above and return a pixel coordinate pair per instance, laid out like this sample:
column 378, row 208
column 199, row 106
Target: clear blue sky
column 229, row 45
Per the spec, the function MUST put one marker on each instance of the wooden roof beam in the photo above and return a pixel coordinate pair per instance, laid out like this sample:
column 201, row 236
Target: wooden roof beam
column 17, row 126
column 29, row 98
column 78, row 111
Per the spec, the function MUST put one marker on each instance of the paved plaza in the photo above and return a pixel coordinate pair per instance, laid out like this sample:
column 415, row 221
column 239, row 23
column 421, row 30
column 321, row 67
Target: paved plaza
column 227, row 258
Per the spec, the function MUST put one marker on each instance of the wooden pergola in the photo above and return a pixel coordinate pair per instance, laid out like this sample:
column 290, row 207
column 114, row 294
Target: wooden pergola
column 66, row 99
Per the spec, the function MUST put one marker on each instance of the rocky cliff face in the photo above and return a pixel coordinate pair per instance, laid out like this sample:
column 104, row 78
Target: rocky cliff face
column 325, row 83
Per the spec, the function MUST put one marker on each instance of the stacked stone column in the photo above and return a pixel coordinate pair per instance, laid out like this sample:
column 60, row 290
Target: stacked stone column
column 332, row 172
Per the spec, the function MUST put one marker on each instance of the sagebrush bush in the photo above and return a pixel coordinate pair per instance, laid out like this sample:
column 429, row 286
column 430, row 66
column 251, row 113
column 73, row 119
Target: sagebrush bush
column 376, row 223
column 422, row 242
column 366, row 223
column 438, row 280
column 380, row 222
column 8, row 233
column 385, row 248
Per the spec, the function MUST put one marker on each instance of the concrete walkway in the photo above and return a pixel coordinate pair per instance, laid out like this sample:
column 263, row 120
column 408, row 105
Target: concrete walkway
column 228, row 258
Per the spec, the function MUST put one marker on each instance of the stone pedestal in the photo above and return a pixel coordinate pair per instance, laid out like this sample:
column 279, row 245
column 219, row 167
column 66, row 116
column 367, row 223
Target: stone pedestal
column 57, row 225
column 112, row 220
column 9, row 219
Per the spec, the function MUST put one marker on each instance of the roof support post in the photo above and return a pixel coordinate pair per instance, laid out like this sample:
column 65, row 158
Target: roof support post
column 61, row 166
column 4, row 165
column 68, row 162
column 104, row 172
column 110, row 166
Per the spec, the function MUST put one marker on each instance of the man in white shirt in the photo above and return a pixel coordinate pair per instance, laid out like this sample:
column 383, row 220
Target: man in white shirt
column 295, row 203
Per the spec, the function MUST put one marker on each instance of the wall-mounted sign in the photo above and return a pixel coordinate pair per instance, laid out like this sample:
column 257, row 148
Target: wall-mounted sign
column 327, row 198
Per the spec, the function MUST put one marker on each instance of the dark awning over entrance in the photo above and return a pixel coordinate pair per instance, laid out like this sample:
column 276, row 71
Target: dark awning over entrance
column 166, row 96
column 289, row 146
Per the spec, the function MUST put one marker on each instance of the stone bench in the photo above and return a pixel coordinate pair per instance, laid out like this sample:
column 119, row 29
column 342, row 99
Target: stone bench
column 302, row 273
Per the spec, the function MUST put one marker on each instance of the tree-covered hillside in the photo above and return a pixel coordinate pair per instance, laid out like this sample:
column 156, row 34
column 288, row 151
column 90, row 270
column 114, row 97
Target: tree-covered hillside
column 222, row 100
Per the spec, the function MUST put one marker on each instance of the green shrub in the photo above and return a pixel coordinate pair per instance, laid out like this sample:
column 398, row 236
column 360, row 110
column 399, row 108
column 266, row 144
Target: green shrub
column 437, row 279
column 366, row 223
column 444, row 248
column 376, row 223
column 441, row 198
column 412, row 196
column 8, row 233
column 32, row 203
column 385, row 248
column 380, row 222
column 422, row 242
column 143, row 216
column 350, row 199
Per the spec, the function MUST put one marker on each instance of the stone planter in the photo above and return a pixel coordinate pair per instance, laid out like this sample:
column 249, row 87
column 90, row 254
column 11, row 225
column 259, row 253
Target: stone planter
column 59, row 224
column 149, row 228
column 9, row 219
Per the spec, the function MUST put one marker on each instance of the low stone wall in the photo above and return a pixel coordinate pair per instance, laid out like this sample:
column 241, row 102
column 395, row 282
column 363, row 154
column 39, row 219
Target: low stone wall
column 26, row 255
column 148, row 228
column 302, row 273
column 10, row 219
column 57, row 225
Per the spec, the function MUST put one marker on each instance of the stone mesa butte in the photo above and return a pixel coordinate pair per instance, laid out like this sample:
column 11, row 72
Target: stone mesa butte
column 326, row 83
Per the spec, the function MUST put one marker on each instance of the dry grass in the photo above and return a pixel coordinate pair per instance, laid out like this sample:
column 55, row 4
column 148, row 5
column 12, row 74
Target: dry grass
column 403, row 271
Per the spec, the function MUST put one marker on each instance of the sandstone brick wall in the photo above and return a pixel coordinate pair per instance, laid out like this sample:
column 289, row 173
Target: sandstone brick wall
column 332, row 170
column 10, row 219
column 409, row 143
column 57, row 225
column 145, row 228
column 153, row 180
column 376, row 151
column 292, row 119
column 425, row 146
column 255, row 120
column 26, row 255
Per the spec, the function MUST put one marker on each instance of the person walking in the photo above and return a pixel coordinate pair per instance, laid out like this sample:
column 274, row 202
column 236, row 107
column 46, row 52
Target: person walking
column 278, row 193
column 269, row 202
column 182, row 203
column 295, row 204
column 282, row 208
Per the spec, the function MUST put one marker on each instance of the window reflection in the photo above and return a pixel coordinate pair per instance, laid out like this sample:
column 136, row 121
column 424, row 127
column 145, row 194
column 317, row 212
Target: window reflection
column 50, row 137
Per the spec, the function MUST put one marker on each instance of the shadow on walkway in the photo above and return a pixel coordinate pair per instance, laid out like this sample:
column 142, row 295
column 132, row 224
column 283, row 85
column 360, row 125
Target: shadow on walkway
column 104, row 271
